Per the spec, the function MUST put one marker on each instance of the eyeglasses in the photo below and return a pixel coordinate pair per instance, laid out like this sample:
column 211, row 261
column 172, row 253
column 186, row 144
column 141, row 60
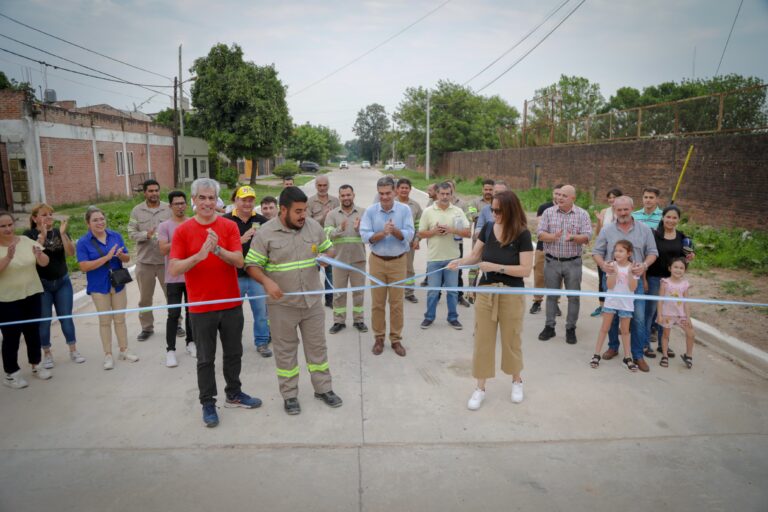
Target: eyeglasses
column 496, row 211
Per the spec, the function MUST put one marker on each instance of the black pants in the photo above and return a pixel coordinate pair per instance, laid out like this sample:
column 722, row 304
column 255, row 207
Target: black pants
column 24, row 309
column 228, row 323
column 461, row 272
column 176, row 291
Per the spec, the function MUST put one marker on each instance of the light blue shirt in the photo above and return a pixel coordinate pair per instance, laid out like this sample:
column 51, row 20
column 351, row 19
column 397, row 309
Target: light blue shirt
column 485, row 217
column 373, row 221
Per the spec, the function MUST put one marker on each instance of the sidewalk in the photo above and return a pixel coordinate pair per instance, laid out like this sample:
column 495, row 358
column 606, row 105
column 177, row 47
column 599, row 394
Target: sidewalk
column 132, row 438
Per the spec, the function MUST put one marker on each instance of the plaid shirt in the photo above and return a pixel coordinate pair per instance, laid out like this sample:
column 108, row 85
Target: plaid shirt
column 575, row 222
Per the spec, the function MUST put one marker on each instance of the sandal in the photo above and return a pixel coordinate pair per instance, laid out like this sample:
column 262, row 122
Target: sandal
column 630, row 364
column 688, row 360
column 670, row 353
column 664, row 362
column 649, row 353
column 595, row 362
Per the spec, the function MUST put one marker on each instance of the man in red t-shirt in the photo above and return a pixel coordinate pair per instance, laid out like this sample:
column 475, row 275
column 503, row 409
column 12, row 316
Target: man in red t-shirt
column 207, row 250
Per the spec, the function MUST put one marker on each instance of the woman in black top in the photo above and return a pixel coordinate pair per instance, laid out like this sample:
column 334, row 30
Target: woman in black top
column 57, row 287
column 671, row 244
column 504, row 253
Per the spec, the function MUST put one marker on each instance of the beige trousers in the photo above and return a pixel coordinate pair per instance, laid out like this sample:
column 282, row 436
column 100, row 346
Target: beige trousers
column 342, row 277
column 388, row 271
column 410, row 272
column 146, row 275
column 108, row 302
column 498, row 313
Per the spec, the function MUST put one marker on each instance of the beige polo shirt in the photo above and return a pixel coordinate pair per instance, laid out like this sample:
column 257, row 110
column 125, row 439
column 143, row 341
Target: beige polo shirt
column 442, row 247
column 318, row 210
column 347, row 243
column 143, row 218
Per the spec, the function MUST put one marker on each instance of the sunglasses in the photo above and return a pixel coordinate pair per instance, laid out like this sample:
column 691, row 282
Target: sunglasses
column 497, row 211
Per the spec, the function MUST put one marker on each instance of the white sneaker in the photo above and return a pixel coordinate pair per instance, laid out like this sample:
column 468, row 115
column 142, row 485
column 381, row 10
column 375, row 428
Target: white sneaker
column 192, row 350
column 109, row 363
column 48, row 361
column 41, row 373
column 517, row 392
column 476, row 400
column 124, row 355
column 15, row 380
column 170, row 359
column 76, row 357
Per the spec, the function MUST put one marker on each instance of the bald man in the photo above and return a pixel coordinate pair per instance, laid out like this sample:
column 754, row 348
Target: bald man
column 318, row 207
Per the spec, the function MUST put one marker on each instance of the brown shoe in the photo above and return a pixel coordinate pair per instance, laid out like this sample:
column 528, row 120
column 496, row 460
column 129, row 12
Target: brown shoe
column 642, row 365
column 610, row 354
column 378, row 346
column 398, row 348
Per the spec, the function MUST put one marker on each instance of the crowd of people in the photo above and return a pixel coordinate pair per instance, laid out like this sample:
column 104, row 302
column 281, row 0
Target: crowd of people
column 215, row 260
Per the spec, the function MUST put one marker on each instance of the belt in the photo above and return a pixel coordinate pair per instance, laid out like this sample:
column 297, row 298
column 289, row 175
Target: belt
column 388, row 258
column 550, row 257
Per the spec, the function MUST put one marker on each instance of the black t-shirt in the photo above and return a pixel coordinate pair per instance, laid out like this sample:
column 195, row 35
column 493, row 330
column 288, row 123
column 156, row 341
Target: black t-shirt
column 668, row 250
column 53, row 247
column 243, row 227
column 539, row 213
column 508, row 256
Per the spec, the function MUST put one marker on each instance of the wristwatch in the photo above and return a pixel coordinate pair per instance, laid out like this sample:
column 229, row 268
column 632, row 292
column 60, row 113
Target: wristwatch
column 502, row 270
column 217, row 250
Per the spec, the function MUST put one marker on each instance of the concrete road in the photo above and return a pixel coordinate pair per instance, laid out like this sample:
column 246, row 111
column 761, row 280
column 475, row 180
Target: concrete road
column 132, row 439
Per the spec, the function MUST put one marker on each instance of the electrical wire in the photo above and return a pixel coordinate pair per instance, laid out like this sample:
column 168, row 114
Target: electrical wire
column 534, row 47
column 729, row 37
column 345, row 66
column 526, row 36
column 83, row 47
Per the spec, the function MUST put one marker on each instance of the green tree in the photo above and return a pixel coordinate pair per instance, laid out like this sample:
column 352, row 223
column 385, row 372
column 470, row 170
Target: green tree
column 308, row 143
column 12, row 84
column 371, row 125
column 352, row 148
column 240, row 106
column 332, row 141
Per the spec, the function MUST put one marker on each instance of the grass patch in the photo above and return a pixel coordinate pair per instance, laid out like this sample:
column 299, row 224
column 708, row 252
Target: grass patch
column 741, row 287
column 729, row 248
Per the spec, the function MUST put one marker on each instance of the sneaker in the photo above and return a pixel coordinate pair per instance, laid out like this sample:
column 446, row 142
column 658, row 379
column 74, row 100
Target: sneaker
column 547, row 333
column 292, row 406
column 517, row 392
column 426, row 324
column 330, row 398
column 455, row 324
column 535, row 308
column 192, row 349
column 75, row 356
column 463, row 302
column 144, row 335
column 41, row 373
column 336, row 328
column 180, row 332
column 557, row 311
column 412, row 299
column 170, row 359
column 476, row 400
column 124, row 355
column 210, row 416
column 360, row 326
column 109, row 363
column 48, row 361
column 570, row 336
column 242, row 400
column 597, row 312
column 15, row 380
column 264, row 351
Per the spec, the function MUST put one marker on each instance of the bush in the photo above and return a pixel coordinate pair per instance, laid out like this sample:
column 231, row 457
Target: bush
column 229, row 176
column 286, row 169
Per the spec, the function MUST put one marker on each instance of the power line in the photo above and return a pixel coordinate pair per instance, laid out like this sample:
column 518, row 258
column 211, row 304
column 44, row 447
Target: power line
column 80, row 72
column 729, row 37
column 78, row 64
column 370, row 51
column 534, row 29
column 534, row 47
column 83, row 47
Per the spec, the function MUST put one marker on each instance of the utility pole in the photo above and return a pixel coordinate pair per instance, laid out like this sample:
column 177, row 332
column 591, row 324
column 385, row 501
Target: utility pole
column 175, row 137
column 427, row 158
column 181, row 116
column 393, row 141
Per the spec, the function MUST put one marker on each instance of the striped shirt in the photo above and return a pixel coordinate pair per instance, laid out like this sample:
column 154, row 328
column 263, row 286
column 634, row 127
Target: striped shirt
column 574, row 222
column 649, row 219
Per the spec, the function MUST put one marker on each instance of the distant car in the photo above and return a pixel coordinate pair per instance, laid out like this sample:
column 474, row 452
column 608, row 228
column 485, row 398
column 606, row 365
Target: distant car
column 343, row 165
column 397, row 166
column 308, row 166
column 366, row 164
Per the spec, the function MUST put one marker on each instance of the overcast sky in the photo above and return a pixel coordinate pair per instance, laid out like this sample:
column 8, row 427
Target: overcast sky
column 614, row 43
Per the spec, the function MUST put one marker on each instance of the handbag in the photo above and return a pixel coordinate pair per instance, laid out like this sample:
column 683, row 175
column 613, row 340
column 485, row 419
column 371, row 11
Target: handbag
column 117, row 277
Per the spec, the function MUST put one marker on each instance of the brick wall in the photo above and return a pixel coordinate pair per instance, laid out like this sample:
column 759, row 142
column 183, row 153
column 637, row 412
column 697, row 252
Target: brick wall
column 11, row 104
column 721, row 187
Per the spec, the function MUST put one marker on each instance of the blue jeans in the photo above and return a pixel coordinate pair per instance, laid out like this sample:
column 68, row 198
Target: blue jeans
column 443, row 278
column 637, row 330
column 654, row 285
column 250, row 288
column 57, row 293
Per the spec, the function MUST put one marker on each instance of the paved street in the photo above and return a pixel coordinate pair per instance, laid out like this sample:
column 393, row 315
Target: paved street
column 133, row 439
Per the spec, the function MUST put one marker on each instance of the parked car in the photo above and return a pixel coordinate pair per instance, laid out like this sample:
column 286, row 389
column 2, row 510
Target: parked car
column 308, row 166
column 343, row 165
column 396, row 166
column 366, row 164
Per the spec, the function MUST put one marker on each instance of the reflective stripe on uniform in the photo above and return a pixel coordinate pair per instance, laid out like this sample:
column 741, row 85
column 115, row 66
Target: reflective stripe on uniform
column 317, row 367
column 291, row 265
column 325, row 245
column 358, row 309
column 340, row 310
column 288, row 373
column 328, row 230
column 348, row 240
column 257, row 258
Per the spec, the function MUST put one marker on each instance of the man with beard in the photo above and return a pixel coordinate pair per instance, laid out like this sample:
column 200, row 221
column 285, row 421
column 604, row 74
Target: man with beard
column 318, row 207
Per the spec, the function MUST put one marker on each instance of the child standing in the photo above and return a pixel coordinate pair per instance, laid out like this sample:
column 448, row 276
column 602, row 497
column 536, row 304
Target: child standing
column 675, row 312
column 619, row 279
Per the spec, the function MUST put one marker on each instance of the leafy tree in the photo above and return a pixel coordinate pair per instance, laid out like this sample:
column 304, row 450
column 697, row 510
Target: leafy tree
column 241, row 107
column 332, row 140
column 352, row 148
column 12, row 84
column 371, row 125
column 308, row 143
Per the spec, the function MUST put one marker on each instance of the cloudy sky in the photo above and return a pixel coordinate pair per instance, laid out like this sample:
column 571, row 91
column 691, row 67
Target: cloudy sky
column 612, row 42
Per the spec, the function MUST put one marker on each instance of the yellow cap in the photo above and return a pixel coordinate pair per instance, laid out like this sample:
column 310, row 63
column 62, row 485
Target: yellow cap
column 246, row 191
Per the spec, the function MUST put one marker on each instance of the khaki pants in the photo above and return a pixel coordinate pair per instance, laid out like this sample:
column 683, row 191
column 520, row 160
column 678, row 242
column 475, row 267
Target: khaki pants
column 388, row 271
column 283, row 321
column 493, row 313
column 410, row 272
column 340, row 279
column 108, row 302
column 145, row 278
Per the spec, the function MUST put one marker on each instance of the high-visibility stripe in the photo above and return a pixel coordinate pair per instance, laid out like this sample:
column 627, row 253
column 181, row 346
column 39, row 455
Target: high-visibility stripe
column 318, row 367
column 257, row 258
column 340, row 310
column 328, row 230
column 472, row 209
column 410, row 281
column 293, row 265
column 358, row 309
column 348, row 240
column 416, row 225
column 287, row 373
column 325, row 245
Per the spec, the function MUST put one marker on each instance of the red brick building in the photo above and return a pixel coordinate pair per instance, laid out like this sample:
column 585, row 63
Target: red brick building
column 60, row 154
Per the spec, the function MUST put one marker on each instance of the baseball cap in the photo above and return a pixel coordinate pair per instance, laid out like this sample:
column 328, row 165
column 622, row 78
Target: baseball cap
column 246, row 191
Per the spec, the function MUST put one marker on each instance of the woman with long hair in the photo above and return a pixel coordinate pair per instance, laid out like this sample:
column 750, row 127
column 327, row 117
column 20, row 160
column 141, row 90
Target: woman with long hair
column 57, row 287
column 504, row 253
